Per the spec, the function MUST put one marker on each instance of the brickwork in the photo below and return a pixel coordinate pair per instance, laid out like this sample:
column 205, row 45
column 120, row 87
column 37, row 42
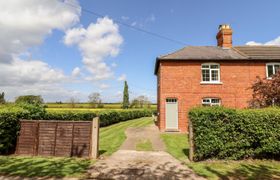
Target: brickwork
column 182, row 80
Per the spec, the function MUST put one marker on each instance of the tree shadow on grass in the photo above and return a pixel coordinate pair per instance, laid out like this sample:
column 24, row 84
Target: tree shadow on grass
column 245, row 171
column 42, row 166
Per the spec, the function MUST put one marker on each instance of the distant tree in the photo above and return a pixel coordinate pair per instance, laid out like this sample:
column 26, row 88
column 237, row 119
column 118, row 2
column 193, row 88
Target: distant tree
column 2, row 98
column 100, row 104
column 125, row 96
column 140, row 102
column 135, row 103
column 73, row 101
column 266, row 92
column 29, row 99
column 95, row 100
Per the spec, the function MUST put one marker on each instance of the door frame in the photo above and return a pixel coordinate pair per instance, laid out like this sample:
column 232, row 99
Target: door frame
column 177, row 124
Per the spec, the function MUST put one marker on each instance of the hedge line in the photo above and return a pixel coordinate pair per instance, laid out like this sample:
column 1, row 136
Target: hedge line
column 222, row 133
column 9, row 121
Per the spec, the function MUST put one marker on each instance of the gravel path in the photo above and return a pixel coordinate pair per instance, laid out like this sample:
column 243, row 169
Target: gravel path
column 129, row 164
column 135, row 135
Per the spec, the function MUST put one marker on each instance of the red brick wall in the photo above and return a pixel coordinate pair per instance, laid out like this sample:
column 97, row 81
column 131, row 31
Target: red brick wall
column 181, row 80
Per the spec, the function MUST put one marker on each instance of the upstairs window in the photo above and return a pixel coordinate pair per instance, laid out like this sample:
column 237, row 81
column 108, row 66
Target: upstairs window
column 211, row 102
column 271, row 69
column 210, row 73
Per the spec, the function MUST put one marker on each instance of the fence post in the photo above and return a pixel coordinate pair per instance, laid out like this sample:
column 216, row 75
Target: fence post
column 95, row 138
column 191, row 150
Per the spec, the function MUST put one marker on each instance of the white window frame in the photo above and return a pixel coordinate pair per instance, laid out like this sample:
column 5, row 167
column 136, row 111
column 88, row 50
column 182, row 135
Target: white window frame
column 210, row 73
column 273, row 65
column 210, row 102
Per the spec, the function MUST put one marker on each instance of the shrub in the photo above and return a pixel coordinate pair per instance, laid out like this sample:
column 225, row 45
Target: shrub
column 10, row 115
column 224, row 133
column 30, row 99
column 9, row 127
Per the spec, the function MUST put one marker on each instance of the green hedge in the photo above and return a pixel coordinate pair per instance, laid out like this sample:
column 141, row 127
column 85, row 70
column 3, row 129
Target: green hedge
column 222, row 133
column 9, row 127
column 9, row 120
column 107, row 117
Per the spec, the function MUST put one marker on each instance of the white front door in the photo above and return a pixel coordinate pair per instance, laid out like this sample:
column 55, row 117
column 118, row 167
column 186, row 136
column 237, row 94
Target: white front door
column 171, row 114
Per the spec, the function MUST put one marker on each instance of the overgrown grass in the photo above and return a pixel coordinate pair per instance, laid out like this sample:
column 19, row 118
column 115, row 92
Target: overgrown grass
column 112, row 137
column 144, row 145
column 177, row 146
column 43, row 166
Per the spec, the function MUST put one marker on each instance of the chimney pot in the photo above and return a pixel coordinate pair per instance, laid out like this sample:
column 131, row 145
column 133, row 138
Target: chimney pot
column 224, row 36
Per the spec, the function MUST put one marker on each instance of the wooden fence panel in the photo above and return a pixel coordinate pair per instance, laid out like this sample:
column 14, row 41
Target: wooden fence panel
column 81, row 139
column 64, row 135
column 26, row 143
column 47, row 132
column 59, row 138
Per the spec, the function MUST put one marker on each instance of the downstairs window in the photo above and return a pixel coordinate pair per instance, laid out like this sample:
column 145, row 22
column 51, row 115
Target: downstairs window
column 211, row 102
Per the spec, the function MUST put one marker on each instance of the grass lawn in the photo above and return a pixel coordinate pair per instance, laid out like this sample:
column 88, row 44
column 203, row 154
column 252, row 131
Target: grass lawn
column 111, row 138
column 43, row 166
column 144, row 145
column 177, row 146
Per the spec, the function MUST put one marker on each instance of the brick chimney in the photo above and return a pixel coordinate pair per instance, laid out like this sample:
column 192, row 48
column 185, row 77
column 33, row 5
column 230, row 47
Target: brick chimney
column 224, row 36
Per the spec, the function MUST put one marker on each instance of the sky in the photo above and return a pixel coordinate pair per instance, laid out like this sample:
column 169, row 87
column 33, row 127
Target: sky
column 61, row 49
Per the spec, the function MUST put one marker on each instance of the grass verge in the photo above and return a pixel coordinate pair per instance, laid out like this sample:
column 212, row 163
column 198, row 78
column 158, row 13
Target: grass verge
column 43, row 166
column 144, row 145
column 177, row 146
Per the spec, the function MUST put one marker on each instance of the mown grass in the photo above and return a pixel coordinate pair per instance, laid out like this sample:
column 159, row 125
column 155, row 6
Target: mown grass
column 111, row 138
column 43, row 166
column 144, row 145
column 177, row 146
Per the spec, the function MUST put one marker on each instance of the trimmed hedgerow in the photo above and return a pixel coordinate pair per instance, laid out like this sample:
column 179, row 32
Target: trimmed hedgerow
column 107, row 117
column 223, row 133
column 9, row 120
column 9, row 127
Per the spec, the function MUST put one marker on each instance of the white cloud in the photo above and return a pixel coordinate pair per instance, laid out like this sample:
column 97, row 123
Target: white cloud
column 76, row 72
column 25, row 24
column 275, row 42
column 97, row 42
column 104, row 86
column 20, row 72
column 122, row 77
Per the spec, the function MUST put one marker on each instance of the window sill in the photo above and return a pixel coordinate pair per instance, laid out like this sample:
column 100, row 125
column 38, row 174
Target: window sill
column 206, row 83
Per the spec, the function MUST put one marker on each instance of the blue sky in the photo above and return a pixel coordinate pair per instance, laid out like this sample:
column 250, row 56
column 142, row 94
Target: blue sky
column 66, row 42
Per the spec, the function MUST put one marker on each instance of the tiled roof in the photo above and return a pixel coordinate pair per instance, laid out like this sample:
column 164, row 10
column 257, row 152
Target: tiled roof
column 203, row 52
column 266, row 53
column 260, row 52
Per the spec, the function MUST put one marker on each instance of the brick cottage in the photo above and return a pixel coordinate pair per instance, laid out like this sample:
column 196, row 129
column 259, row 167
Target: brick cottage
column 209, row 75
